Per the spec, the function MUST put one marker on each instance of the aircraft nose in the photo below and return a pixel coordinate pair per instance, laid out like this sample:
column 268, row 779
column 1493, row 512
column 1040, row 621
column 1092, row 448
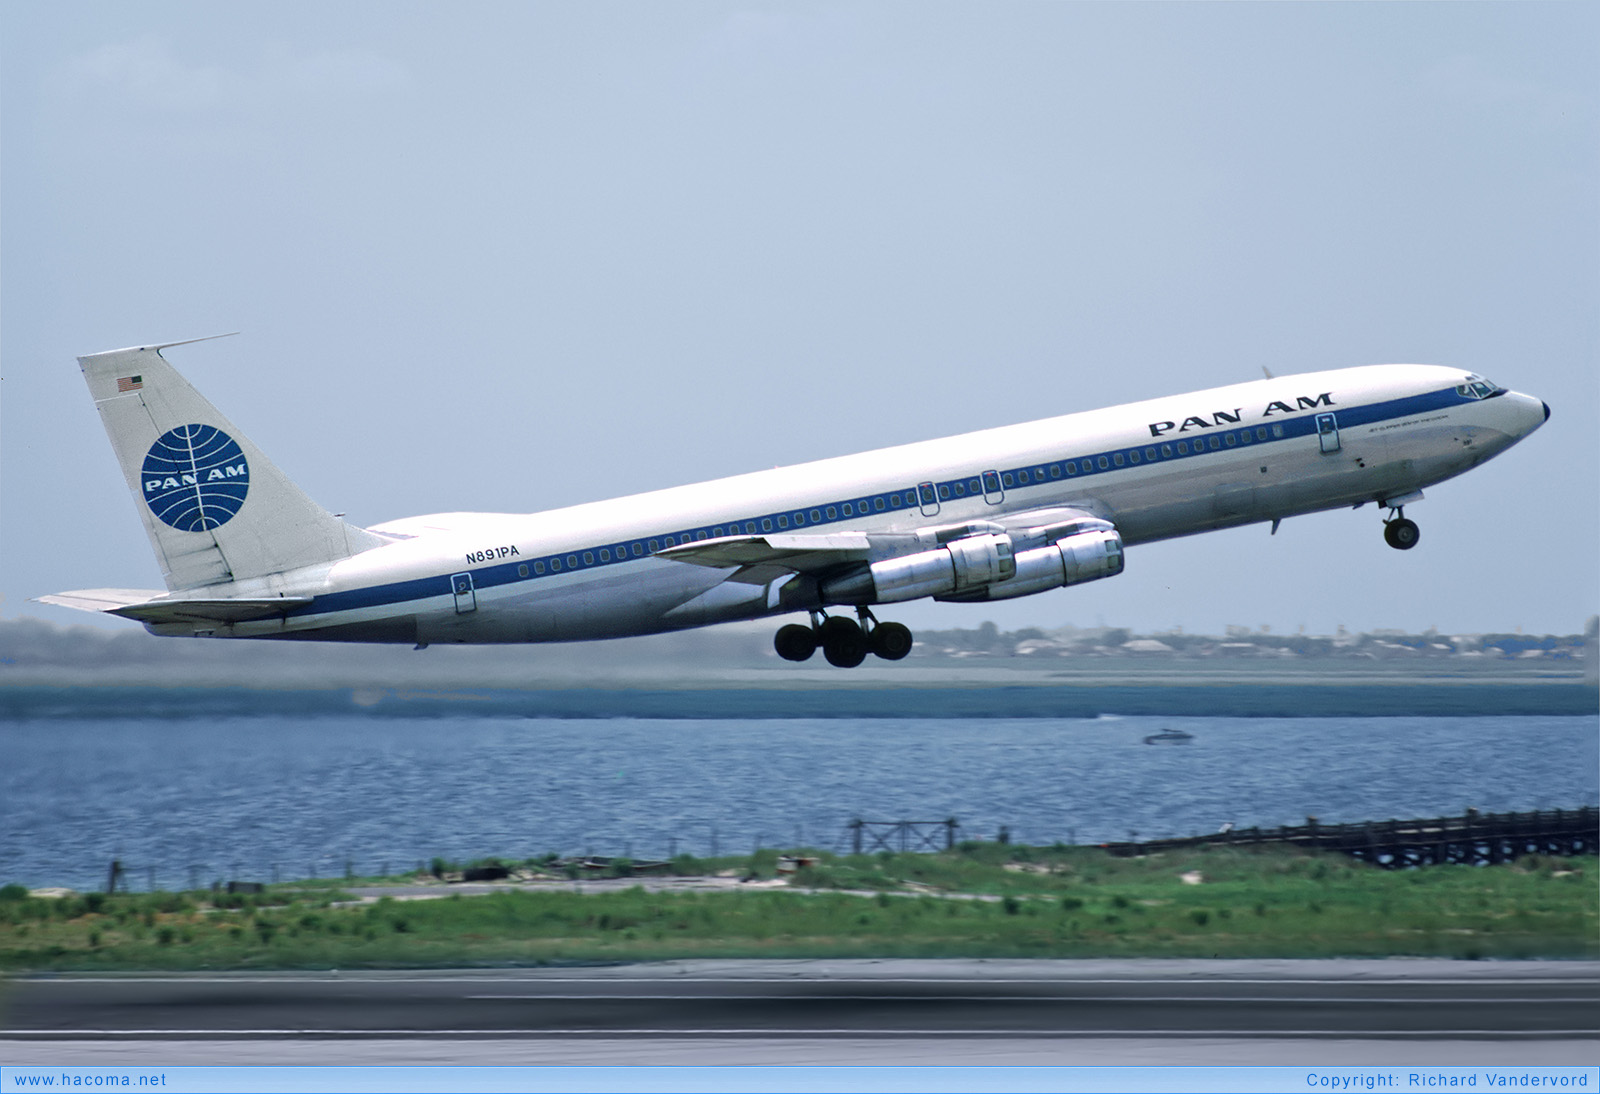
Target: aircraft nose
column 1526, row 413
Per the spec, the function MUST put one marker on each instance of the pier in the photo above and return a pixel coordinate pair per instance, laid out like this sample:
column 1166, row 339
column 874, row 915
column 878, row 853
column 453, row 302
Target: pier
column 1473, row 839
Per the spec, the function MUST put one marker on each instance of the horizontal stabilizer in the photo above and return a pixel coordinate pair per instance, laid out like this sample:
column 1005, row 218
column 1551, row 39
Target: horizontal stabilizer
column 101, row 600
column 148, row 606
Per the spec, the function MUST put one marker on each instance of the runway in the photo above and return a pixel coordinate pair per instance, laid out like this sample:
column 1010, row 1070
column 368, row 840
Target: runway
column 861, row 1010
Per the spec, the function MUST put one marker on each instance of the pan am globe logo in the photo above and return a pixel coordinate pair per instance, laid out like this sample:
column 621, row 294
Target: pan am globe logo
column 195, row 478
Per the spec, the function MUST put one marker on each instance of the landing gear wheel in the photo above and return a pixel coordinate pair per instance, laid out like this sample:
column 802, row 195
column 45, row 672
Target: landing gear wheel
column 843, row 643
column 891, row 641
column 795, row 642
column 1401, row 534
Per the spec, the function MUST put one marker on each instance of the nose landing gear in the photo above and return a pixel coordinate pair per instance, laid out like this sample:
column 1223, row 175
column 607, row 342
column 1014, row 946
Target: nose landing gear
column 1400, row 533
column 845, row 643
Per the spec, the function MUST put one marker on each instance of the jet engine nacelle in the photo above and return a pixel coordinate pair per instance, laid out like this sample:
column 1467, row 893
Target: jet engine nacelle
column 962, row 565
column 1072, row 560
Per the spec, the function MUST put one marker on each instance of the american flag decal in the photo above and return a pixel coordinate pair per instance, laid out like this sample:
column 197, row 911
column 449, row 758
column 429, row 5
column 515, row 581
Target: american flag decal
column 130, row 383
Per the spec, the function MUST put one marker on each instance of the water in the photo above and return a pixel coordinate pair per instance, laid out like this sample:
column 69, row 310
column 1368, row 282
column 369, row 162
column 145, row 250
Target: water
column 194, row 800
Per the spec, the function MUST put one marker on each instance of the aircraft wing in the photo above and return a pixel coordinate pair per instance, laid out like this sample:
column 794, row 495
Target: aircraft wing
column 151, row 606
column 759, row 559
column 1054, row 522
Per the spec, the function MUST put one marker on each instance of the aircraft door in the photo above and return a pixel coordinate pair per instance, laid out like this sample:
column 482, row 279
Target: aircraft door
column 928, row 497
column 466, row 595
column 1328, row 432
column 993, row 493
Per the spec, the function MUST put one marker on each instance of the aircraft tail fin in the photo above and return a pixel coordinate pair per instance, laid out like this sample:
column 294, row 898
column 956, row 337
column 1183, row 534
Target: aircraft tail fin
column 215, row 508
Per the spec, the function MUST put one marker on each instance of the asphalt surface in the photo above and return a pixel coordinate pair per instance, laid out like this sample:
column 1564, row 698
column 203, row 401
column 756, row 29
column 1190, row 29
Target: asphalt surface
column 725, row 1001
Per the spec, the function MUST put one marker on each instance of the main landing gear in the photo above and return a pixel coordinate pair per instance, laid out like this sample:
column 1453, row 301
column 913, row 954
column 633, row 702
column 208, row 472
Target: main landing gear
column 1400, row 533
column 845, row 643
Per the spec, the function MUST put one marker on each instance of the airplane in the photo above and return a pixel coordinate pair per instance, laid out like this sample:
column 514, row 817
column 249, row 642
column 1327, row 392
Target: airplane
column 984, row 516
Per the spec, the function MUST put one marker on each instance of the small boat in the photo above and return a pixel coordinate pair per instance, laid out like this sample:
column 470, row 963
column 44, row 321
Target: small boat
column 1169, row 737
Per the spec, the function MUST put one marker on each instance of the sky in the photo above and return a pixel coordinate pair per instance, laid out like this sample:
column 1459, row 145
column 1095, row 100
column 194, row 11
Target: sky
column 514, row 256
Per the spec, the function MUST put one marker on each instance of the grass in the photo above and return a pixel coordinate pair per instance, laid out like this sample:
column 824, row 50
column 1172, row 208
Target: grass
column 981, row 900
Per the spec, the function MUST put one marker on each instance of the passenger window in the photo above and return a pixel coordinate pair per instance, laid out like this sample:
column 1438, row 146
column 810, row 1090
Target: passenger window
column 538, row 567
column 1022, row 476
column 1244, row 436
column 833, row 514
column 816, row 516
column 1231, row 439
column 1150, row 453
column 1116, row 458
column 894, row 501
column 1277, row 430
column 522, row 570
column 974, row 486
column 572, row 562
column 944, row 493
column 638, row 550
column 783, row 521
column 1038, row 474
column 766, row 524
column 1166, row 452
column 654, row 546
column 1215, row 444
column 961, row 490
column 1072, row 467
column 1261, row 432
column 605, row 554
column 750, row 527
column 1183, row 448
column 555, row 564
column 799, row 519
column 1133, row 455
column 588, row 558
column 848, row 509
column 1103, row 462
column 1055, row 471
column 877, row 503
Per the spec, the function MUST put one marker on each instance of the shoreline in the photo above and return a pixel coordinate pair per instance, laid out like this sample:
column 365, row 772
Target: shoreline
column 734, row 698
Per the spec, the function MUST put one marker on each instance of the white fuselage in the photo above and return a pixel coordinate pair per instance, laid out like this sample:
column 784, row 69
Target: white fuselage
column 1155, row 470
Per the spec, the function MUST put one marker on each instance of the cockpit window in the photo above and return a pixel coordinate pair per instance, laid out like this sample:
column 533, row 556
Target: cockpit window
column 1477, row 387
